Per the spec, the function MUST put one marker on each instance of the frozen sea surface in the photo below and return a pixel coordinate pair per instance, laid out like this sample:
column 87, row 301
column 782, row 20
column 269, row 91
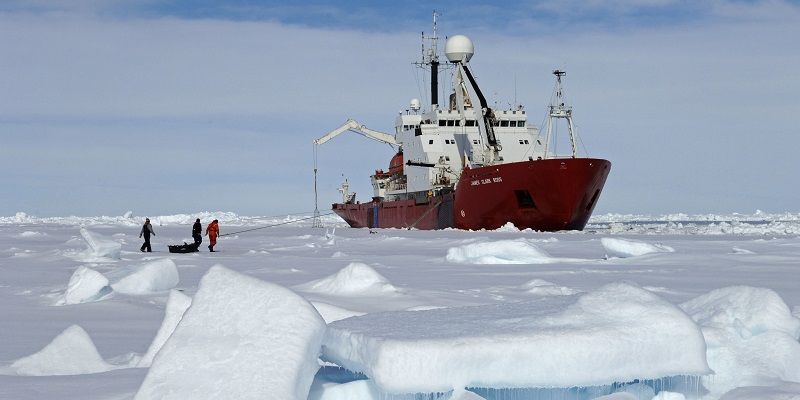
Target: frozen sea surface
column 400, row 270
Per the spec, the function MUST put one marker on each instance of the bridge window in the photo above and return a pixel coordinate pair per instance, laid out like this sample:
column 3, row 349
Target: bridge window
column 504, row 123
column 526, row 141
column 430, row 141
column 512, row 124
column 520, row 124
column 470, row 122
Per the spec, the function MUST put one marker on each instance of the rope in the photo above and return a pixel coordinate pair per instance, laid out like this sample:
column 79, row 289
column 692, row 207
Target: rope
column 270, row 226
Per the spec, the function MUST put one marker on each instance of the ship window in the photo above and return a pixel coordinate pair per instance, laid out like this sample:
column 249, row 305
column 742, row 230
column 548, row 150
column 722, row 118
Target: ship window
column 520, row 141
column 526, row 141
column 520, row 123
column 474, row 142
column 447, row 141
column 524, row 199
column 512, row 124
column 430, row 141
column 417, row 131
column 451, row 122
column 442, row 122
column 447, row 158
column 504, row 123
column 470, row 122
column 382, row 185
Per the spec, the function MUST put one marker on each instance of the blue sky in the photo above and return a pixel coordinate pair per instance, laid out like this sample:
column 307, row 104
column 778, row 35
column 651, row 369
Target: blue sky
column 179, row 106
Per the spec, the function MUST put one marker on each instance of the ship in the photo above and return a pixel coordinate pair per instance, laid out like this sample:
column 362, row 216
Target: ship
column 466, row 165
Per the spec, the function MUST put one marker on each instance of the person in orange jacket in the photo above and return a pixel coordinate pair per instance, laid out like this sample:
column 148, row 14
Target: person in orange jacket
column 212, row 231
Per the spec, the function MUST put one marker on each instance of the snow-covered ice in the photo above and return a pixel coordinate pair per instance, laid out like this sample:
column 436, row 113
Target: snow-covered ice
column 623, row 248
column 151, row 277
column 177, row 303
column 518, row 251
column 71, row 353
column 353, row 280
column 751, row 344
column 616, row 333
column 85, row 285
column 242, row 338
column 99, row 247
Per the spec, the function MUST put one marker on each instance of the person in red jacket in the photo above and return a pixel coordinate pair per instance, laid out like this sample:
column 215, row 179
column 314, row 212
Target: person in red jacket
column 212, row 231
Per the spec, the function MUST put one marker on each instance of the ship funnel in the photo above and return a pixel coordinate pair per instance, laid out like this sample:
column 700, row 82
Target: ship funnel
column 459, row 49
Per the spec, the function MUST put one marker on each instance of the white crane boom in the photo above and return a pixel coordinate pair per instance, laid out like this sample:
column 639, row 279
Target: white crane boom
column 354, row 126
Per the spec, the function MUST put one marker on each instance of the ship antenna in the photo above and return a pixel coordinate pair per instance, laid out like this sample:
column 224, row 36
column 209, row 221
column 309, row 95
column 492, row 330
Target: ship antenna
column 317, row 221
column 430, row 57
column 560, row 109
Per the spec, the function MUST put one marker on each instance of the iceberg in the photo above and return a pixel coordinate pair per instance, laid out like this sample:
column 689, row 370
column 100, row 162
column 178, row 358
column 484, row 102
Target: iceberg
column 617, row 333
column 242, row 338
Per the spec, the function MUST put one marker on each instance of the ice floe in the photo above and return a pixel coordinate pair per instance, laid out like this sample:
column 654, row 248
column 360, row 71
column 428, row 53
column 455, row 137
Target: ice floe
column 541, row 287
column 616, row 333
column 624, row 248
column 242, row 338
column 72, row 352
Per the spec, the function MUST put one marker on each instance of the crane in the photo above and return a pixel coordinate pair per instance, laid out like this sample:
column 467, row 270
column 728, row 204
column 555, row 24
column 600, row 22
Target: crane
column 355, row 126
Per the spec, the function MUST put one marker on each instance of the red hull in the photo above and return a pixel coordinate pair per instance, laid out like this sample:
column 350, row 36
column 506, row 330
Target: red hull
column 545, row 195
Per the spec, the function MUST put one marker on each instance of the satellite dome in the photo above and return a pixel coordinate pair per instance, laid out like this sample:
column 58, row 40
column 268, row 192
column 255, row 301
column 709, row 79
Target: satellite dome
column 459, row 48
column 415, row 104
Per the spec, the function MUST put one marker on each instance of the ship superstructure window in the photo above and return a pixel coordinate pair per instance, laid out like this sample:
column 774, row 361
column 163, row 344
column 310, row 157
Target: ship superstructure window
column 504, row 124
column 475, row 141
column 520, row 124
column 470, row 122
column 430, row 141
column 442, row 122
column 512, row 124
column 451, row 122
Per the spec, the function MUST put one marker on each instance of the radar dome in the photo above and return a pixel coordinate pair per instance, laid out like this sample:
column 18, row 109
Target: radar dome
column 459, row 48
column 415, row 104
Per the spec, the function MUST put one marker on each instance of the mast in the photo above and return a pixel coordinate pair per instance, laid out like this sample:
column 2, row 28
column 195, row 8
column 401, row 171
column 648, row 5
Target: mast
column 430, row 57
column 559, row 109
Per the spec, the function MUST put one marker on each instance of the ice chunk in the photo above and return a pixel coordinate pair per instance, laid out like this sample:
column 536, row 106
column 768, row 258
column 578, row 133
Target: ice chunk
column 332, row 313
column 84, row 286
column 176, row 307
column 617, row 333
column 72, row 352
column 624, row 248
column 354, row 279
column 360, row 390
column 155, row 276
column 100, row 246
column 541, row 287
column 242, row 338
column 751, row 337
column 519, row 251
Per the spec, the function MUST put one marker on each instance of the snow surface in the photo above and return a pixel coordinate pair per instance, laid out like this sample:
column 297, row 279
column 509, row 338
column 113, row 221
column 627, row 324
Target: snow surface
column 152, row 277
column 624, row 248
column 518, row 251
column 84, row 286
column 758, row 250
column 616, row 333
column 71, row 353
column 173, row 313
column 242, row 338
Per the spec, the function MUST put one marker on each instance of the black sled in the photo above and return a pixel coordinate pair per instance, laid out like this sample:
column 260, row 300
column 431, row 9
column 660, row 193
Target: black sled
column 184, row 248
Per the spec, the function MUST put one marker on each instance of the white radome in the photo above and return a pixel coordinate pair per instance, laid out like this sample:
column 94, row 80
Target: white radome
column 459, row 48
column 415, row 104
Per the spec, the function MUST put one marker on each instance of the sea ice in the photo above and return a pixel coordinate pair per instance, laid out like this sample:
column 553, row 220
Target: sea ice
column 541, row 287
column 72, row 352
column 84, row 286
column 624, row 248
column 331, row 313
column 780, row 391
column 352, row 280
column 616, row 333
column 154, row 276
column 177, row 303
column 242, row 338
column 665, row 395
column 751, row 336
column 519, row 251
column 359, row 389
column 99, row 246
